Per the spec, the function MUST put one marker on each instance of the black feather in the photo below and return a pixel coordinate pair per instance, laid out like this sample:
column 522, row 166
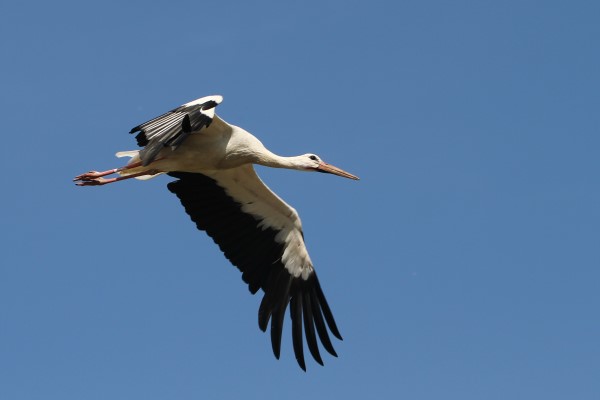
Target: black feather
column 309, row 327
column 327, row 311
column 141, row 139
column 279, row 303
column 320, row 324
column 296, row 316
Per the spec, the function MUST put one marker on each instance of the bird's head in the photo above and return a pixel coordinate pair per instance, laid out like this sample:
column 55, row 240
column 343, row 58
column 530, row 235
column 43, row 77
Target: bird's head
column 312, row 162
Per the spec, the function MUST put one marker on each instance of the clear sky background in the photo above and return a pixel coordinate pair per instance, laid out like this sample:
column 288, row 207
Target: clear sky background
column 463, row 265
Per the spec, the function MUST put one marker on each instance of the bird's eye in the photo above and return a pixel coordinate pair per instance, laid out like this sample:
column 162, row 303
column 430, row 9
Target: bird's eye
column 313, row 157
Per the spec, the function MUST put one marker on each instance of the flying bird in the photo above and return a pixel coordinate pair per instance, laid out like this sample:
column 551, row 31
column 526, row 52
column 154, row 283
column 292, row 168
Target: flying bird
column 256, row 230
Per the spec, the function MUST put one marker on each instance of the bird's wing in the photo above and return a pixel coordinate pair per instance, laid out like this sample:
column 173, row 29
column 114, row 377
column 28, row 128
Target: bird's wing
column 171, row 128
column 262, row 236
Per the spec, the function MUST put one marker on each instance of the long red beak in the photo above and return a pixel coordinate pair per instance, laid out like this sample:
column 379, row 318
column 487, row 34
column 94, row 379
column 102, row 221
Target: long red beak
column 330, row 169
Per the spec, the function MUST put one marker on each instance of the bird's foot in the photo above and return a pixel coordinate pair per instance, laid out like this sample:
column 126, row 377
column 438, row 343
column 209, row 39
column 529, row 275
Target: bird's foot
column 91, row 175
column 89, row 181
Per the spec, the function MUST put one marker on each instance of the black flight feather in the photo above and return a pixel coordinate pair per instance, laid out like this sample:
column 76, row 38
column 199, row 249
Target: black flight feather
column 309, row 327
column 320, row 324
column 296, row 316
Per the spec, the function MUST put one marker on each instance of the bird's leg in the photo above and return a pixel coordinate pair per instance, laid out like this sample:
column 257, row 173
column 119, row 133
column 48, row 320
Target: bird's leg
column 95, row 174
column 99, row 180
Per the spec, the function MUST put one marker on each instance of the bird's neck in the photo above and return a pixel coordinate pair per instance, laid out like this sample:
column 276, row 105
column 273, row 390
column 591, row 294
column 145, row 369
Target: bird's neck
column 273, row 160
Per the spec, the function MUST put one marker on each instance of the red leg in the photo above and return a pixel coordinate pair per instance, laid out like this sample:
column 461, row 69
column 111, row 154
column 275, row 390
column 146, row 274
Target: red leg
column 95, row 174
column 98, row 180
column 92, row 175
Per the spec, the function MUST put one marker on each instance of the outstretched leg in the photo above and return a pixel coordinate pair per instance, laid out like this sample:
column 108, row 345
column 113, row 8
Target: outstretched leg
column 96, row 178
column 95, row 174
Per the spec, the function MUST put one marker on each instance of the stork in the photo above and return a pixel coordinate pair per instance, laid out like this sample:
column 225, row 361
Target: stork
column 256, row 230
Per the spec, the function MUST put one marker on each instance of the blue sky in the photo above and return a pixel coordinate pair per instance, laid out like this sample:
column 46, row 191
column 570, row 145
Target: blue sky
column 463, row 265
